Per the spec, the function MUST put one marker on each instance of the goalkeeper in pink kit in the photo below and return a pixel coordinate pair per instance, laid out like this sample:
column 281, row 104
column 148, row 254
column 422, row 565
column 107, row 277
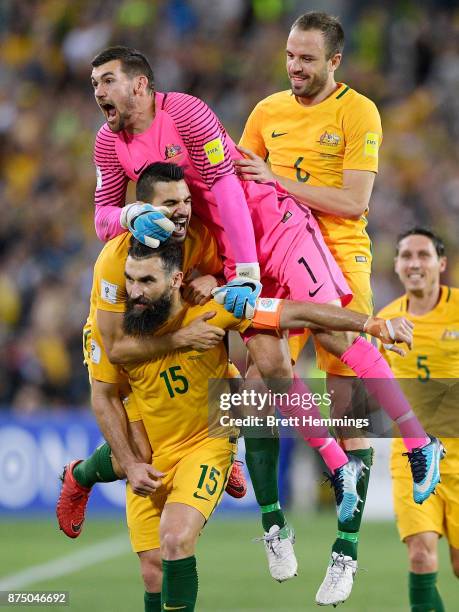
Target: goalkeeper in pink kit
column 263, row 235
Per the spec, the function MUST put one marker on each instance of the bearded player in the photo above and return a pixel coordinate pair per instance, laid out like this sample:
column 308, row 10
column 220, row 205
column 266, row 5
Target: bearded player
column 168, row 507
column 144, row 126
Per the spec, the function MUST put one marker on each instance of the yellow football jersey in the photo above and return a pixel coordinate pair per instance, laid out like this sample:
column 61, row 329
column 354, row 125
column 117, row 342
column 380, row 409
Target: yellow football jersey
column 173, row 391
column 315, row 144
column 199, row 253
column 422, row 372
column 108, row 290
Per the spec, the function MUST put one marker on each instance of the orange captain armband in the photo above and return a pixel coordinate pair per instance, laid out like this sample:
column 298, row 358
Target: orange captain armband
column 267, row 313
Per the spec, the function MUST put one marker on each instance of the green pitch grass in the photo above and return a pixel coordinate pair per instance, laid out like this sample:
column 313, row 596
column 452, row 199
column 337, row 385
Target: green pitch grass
column 233, row 575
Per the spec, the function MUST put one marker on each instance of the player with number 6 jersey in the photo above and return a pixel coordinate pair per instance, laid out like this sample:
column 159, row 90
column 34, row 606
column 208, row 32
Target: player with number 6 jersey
column 256, row 226
column 321, row 139
column 259, row 229
column 316, row 150
column 185, row 131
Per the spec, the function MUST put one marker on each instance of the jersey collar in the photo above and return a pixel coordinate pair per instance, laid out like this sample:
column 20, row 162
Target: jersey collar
column 339, row 92
column 445, row 293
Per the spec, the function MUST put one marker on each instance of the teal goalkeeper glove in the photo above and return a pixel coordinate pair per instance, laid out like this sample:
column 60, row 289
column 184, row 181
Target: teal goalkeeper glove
column 239, row 296
column 148, row 223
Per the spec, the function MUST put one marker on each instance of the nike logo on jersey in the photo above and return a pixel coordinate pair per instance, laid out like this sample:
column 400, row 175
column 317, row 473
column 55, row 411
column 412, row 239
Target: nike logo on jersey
column 166, row 607
column 313, row 293
column 140, row 169
column 200, row 496
column 277, row 134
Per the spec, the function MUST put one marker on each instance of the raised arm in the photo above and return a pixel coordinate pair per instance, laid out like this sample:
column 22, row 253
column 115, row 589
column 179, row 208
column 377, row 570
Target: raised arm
column 112, row 181
column 278, row 314
column 208, row 146
column 327, row 316
column 316, row 316
column 235, row 215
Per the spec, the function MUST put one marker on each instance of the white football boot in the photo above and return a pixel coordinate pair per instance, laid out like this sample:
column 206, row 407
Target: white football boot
column 338, row 581
column 279, row 550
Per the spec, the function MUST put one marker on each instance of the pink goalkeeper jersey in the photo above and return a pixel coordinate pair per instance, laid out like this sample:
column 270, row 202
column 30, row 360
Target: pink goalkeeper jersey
column 185, row 131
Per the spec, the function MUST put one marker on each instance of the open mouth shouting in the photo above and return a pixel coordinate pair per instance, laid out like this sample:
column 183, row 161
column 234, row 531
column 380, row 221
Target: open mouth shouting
column 181, row 225
column 109, row 111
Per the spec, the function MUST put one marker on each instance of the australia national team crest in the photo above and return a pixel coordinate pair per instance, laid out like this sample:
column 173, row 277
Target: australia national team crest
column 172, row 150
column 329, row 139
column 450, row 334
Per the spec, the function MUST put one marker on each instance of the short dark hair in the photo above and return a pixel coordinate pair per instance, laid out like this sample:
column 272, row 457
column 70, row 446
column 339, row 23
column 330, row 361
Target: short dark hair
column 423, row 231
column 132, row 61
column 159, row 172
column 169, row 252
column 330, row 27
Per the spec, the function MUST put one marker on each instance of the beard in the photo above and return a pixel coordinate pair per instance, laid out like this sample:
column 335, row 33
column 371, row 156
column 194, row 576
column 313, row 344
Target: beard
column 146, row 320
column 123, row 120
column 125, row 116
column 313, row 86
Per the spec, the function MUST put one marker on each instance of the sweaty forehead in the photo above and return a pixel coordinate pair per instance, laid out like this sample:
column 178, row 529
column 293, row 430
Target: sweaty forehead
column 306, row 42
column 114, row 66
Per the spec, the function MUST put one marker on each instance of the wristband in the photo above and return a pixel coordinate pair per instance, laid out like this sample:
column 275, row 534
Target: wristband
column 248, row 270
column 379, row 328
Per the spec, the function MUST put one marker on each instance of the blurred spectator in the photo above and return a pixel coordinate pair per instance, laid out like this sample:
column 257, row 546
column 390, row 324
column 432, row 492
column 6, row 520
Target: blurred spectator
column 230, row 53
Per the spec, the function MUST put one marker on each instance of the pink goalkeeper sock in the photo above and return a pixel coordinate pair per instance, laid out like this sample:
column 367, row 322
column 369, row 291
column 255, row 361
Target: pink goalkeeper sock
column 330, row 451
column 316, row 436
column 370, row 365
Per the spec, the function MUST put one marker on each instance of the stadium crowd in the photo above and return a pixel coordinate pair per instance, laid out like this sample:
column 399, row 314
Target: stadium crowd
column 229, row 53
